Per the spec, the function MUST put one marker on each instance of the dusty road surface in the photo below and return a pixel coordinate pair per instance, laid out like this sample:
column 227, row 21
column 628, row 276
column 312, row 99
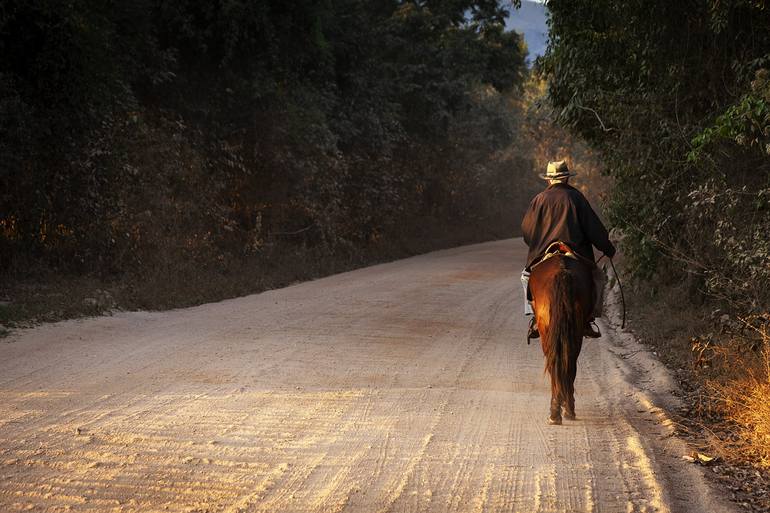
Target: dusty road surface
column 399, row 387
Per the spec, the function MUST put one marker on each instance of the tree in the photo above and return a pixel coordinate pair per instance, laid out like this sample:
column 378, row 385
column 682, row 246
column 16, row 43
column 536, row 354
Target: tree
column 668, row 99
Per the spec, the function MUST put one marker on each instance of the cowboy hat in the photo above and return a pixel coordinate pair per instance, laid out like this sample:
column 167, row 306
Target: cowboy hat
column 557, row 170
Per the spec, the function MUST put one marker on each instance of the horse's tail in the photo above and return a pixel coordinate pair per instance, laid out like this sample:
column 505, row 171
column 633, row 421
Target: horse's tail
column 562, row 329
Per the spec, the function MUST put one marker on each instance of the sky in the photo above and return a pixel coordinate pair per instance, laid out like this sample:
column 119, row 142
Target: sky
column 531, row 21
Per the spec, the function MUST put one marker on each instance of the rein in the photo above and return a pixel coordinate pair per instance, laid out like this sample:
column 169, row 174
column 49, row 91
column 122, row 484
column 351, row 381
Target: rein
column 620, row 286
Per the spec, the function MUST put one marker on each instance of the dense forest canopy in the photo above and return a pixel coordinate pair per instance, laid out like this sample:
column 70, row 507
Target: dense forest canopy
column 214, row 128
column 676, row 95
column 149, row 133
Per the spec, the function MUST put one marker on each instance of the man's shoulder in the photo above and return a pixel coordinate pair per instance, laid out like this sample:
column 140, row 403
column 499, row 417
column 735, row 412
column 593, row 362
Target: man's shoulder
column 562, row 191
column 576, row 193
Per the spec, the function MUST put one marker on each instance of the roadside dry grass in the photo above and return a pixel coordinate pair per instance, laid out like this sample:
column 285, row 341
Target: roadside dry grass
column 722, row 363
column 744, row 400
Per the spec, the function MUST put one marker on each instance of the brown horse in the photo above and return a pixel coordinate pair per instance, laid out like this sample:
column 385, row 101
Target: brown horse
column 562, row 292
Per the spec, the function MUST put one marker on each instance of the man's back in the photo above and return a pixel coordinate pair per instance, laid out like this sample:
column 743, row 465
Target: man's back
column 561, row 213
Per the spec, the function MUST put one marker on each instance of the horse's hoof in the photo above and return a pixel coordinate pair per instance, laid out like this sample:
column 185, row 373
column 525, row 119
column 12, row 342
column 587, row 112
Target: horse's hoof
column 554, row 422
column 570, row 415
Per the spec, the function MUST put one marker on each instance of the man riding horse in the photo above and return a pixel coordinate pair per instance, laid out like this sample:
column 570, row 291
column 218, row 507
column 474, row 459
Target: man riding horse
column 562, row 214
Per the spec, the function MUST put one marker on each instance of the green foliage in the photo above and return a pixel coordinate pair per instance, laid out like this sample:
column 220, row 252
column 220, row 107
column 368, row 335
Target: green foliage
column 746, row 123
column 220, row 128
column 675, row 96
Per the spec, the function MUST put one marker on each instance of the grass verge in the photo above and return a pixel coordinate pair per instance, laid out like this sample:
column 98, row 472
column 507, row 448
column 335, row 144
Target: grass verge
column 722, row 363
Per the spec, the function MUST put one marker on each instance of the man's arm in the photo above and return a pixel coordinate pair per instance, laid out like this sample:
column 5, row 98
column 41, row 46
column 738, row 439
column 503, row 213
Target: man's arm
column 529, row 222
column 595, row 230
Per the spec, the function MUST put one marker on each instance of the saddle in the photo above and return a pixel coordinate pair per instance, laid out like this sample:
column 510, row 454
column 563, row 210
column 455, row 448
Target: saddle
column 563, row 249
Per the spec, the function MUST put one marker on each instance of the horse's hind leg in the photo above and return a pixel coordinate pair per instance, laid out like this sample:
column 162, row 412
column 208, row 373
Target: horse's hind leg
column 555, row 416
column 569, row 409
column 569, row 400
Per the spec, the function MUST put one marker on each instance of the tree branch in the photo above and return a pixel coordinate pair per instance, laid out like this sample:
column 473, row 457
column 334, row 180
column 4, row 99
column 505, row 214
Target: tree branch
column 604, row 128
column 296, row 232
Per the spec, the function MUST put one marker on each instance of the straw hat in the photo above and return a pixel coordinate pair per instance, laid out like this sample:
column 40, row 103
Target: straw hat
column 557, row 170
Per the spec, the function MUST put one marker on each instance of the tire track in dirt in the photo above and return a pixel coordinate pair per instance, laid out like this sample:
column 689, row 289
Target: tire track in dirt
column 403, row 387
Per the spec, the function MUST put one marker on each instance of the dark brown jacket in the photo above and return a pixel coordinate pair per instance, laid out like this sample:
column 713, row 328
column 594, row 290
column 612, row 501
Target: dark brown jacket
column 562, row 213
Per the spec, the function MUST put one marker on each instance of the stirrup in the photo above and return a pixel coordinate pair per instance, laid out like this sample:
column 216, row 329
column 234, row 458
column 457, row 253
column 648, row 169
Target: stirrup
column 532, row 331
column 591, row 330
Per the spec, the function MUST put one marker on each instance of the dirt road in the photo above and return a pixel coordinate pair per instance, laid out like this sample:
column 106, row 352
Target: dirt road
column 400, row 387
